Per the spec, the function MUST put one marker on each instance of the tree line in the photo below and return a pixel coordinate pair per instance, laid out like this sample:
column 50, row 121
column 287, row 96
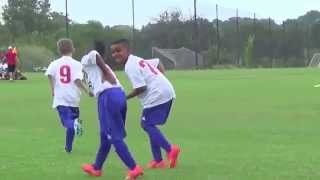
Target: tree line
column 241, row 42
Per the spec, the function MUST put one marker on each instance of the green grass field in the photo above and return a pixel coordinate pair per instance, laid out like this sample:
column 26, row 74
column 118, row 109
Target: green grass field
column 230, row 124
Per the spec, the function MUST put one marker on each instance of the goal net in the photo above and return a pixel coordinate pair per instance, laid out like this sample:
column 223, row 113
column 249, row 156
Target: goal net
column 315, row 61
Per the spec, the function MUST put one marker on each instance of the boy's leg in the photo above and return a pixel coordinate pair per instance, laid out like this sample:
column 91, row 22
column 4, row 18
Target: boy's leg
column 103, row 151
column 11, row 76
column 11, row 70
column 158, row 116
column 156, row 150
column 157, row 139
column 105, row 143
column 78, row 127
column 117, row 110
column 156, row 136
column 77, row 122
column 66, row 116
column 111, row 113
column 111, row 108
column 117, row 107
column 124, row 154
column 126, row 157
column 69, row 139
column 151, row 117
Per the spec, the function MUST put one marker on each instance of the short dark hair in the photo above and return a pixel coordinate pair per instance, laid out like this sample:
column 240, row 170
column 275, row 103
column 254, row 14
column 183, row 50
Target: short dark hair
column 123, row 41
column 100, row 47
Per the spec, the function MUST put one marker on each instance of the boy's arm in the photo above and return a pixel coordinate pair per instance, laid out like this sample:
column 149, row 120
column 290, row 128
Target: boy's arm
column 161, row 67
column 138, row 82
column 51, row 80
column 136, row 92
column 107, row 75
column 81, row 86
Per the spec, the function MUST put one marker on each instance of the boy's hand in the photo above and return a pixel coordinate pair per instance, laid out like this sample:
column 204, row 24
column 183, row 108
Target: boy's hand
column 91, row 94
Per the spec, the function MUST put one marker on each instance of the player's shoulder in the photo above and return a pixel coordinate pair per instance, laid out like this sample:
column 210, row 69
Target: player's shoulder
column 66, row 60
column 61, row 60
column 93, row 53
column 53, row 66
column 77, row 64
column 54, row 62
column 84, row 59
column 132, row 63
column 73, row 64
column 89, row 58
column 133, row 60
column 75, row 61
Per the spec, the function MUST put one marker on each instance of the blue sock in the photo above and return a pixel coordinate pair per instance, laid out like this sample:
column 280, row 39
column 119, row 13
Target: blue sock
column 156, row 151
column 124, row 154
column 69, row 139
column 102, row 153
column 157, row 137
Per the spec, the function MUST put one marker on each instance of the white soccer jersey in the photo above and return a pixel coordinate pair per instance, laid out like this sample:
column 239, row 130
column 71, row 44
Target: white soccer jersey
column 64, row 72
column 145, row 73
column 94, row 75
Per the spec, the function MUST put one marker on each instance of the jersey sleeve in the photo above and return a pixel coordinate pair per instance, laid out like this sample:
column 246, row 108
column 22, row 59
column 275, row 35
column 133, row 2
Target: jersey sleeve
column 50, row 70
column 135, row 76
column 153, row 62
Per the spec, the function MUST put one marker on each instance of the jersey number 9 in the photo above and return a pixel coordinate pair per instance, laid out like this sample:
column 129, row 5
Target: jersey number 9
column 65, row 74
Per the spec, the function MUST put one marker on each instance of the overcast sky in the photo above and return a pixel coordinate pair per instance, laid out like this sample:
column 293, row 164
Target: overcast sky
column 119, row 11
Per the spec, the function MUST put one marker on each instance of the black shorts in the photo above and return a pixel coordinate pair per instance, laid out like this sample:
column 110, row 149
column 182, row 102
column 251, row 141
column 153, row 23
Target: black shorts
column 11, row 68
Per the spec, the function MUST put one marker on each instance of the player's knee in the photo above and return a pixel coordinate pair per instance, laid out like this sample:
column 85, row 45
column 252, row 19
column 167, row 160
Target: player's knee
column 104, row 142
column 103, row 135
column 116, row 142
column 68, row 125
column 70, row 129
column 147, row 127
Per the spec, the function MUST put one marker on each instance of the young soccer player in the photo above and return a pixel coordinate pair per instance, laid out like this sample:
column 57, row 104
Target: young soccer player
column 65, row 76
column 112, row 109
column 156, row 95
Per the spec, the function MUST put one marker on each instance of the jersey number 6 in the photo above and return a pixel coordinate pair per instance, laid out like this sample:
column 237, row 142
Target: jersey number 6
column 65, row 74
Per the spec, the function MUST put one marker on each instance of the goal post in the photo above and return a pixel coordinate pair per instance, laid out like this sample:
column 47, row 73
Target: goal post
column 315, row 61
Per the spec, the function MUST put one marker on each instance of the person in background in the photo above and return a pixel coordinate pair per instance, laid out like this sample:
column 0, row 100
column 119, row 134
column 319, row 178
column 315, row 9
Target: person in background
column 3, row 70
column 11, row 59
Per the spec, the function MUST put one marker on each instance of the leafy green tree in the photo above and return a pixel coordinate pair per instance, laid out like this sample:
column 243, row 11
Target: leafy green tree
column 26, row 16
column 315, row 34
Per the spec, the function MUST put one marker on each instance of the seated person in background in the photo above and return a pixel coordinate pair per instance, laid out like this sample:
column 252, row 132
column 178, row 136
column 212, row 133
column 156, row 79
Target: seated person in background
column 3, row 70
column 20, row 76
